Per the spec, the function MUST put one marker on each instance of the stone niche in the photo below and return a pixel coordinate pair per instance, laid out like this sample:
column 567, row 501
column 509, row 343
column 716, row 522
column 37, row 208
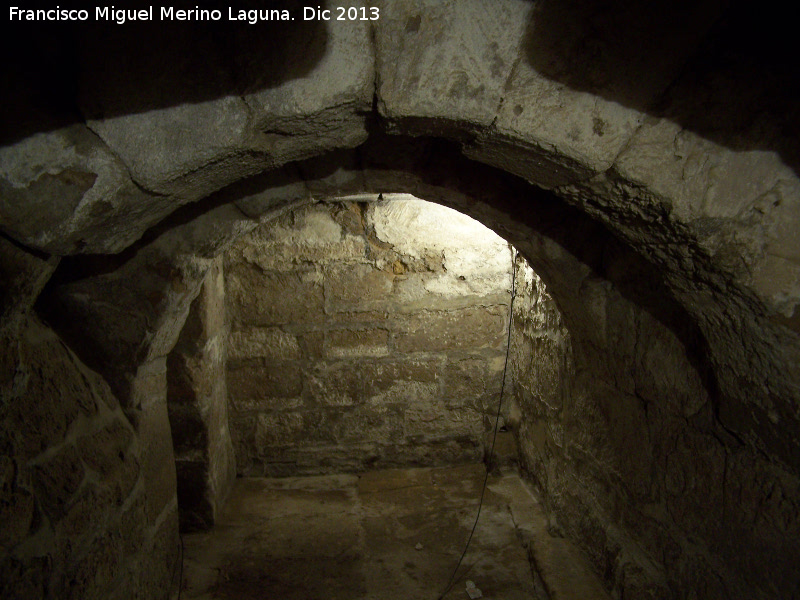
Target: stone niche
column 365, row 334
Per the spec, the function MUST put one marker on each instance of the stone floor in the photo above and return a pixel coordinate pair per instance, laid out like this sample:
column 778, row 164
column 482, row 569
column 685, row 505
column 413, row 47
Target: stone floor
column 393, row 534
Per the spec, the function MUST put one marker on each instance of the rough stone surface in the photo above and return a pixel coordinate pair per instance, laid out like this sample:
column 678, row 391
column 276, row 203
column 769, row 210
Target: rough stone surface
column 324, row 109
column 61, row 189
column 639, row 426
column 22, row 276
column 440, row 64
column 676, row 249
column 197, row 400
column 69, row 472
column 274, row 298
column 317, row 108
column 327, row 379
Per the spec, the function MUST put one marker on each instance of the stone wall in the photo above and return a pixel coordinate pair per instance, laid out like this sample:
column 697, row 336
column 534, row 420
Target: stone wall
column 653, row 152
column 617, row 430
column 80, row 516
column 542, row 373
column 364, row 335
column 197, row 399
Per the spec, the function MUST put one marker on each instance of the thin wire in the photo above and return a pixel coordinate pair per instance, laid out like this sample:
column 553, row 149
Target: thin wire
column 180, row 579
column 453, row 579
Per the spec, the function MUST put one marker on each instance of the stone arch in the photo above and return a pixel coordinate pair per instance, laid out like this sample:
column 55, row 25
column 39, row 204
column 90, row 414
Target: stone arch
column 601, row 286
column 690, row 229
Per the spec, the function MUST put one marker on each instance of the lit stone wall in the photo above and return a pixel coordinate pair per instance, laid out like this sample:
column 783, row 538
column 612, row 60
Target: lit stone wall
column 542, row 372
column 364, row 335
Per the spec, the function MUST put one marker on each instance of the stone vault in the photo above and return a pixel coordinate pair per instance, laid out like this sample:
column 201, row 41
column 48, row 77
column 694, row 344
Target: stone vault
column 643, row 162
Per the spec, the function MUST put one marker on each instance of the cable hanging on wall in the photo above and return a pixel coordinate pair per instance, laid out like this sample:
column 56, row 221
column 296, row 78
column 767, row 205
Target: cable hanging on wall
column 453, row 580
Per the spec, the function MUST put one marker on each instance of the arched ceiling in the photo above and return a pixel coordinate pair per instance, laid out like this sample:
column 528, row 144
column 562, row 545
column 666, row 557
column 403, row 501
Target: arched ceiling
column 480, row 107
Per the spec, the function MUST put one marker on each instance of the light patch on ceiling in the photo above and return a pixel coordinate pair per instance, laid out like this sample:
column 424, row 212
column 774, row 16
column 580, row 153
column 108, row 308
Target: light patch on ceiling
column 470, row 251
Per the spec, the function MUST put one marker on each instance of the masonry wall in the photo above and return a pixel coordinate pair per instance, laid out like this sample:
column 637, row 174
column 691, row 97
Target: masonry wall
column 617, row 431
column 197, row 398
column 363, row 335
column 542, row 374
column 86, row 503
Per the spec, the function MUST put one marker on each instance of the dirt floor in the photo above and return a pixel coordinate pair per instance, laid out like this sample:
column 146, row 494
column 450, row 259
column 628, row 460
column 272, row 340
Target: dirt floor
column 382, row 535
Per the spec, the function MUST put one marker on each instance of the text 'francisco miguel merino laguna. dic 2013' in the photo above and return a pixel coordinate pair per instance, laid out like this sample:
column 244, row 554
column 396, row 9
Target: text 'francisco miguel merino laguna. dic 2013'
column 170, row 13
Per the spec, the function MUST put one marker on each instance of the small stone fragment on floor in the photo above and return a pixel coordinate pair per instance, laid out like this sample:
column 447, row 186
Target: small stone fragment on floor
column 418, row 546
column 472, row 590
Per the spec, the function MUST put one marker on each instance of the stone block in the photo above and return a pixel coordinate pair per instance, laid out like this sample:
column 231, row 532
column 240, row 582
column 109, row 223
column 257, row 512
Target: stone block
column 355, row 382
column 289, row 428
column 23, row 276
column 312, row 344
column 311, row 236
column 267, row 342
column 433, row 452
column 336, row 384
column 150, row 384
column 587, row 140
column 57, row 480
column 181, row 369
column 65, row 191
column 350, row 343
column 243, row 435
column 258, row 298
column 213, row 300
column 449, row 290
column 244, row 405
column 405, row 394
column 385, row 373
column 319, row 459
column 16, row 506
column 215, row 413
column 473, row 382
column 221, row 467
column 108, row 452
column 164, row 149
column 157, row 459
column 350, row 216
column 279, row 429
column 467, row 328
column 607, row 90
column 379, row 425
column 53, row 381
column 255, row 381
column 357, row 288
column 431, row 422
column 447, row 61
column 359, row 319
column 323, row 107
